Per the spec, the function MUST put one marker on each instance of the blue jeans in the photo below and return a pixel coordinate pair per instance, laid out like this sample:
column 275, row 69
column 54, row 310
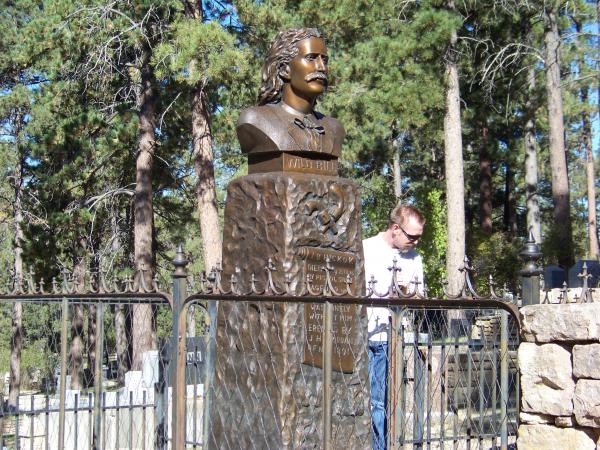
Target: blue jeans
column 378, row 360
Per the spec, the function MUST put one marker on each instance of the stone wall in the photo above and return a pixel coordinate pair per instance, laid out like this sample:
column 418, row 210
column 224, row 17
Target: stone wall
column 559, row 361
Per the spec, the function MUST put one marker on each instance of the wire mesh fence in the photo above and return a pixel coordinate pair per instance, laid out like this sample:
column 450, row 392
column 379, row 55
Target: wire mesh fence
column 86, row 381
column 134, row 367
column 453, row 380
column 450, row 377
column 268, row 389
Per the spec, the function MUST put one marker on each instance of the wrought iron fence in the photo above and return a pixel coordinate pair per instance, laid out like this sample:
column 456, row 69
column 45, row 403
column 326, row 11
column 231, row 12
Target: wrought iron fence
column 85, row 394
column 583, row 294
column 451, row 383
column 454, row 384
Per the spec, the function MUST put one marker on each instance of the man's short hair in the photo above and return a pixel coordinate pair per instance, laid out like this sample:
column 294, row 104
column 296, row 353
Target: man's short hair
column 401, row 214
column 283, row 49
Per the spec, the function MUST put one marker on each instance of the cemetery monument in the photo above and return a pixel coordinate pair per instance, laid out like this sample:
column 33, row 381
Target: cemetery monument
column 294, row 211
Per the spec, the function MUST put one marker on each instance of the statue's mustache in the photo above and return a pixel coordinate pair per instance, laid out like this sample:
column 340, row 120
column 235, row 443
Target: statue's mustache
column 316, row 76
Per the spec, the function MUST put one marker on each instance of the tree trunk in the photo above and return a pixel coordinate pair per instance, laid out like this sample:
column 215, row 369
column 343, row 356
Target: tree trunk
column 206, row 193
column 91, row 345
column 558, row 162
column 16, row 343
column 395, row 143
column 510, row 209
column 534, row 223
column 208, row 213
column 455, row 185
column 142, row 332
column 485, row 183
column 591, row 185
column 121, row 342
column 589, row 162
column 397, row 177
column 91, row 333
column 15, row 354
column 77, row 318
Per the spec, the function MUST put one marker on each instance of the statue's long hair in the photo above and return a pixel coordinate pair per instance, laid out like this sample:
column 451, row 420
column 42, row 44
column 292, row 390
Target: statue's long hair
column 283, row 49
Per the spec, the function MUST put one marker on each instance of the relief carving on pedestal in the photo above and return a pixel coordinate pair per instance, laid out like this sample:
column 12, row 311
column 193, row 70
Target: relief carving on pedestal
column 326, row 211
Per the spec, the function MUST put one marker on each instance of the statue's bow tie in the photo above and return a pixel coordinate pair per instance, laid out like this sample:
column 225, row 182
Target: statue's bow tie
column 308, row 124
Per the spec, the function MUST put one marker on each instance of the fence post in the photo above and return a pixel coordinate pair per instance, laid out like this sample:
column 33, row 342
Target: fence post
column 396, row 351
column 327, row 369
column 98, row 411
column 209, row 364
column 179, row 278
column 504, row 380
column 530, row 273
column 63, row 371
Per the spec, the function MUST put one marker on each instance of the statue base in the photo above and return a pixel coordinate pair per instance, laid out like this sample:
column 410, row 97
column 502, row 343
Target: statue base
column 268, row 380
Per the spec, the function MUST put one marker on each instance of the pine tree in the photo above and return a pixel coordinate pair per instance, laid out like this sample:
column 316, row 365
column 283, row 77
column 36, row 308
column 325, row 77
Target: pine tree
column 16, row 80
column 455, row 184
column 558, row 161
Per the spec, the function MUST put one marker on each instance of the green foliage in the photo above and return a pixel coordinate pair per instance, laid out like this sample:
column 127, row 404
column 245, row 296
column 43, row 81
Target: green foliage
column 200, row 52
column 433, row 243
column 378, row 200
column 41, row 347
column 496, row 255
column 70, row 73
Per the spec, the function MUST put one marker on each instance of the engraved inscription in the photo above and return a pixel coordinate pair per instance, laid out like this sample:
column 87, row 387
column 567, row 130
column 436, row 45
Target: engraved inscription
column 298, row 163
column 310, row 162
column 344, row 316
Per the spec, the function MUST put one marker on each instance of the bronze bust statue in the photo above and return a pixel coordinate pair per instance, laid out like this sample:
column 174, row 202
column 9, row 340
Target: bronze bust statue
column 285, row 123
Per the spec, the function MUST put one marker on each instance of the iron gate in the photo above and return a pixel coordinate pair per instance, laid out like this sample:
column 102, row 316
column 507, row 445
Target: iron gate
column 452, row 382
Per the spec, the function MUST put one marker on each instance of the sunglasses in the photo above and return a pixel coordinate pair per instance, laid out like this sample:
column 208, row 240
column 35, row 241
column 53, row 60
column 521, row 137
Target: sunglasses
column 410, row 237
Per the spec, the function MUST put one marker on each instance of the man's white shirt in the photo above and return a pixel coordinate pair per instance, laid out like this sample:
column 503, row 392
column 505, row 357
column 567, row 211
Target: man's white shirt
column 379, row 259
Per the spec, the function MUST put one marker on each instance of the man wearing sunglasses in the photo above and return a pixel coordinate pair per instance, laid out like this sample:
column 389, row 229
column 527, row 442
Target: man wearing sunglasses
column 397, row 242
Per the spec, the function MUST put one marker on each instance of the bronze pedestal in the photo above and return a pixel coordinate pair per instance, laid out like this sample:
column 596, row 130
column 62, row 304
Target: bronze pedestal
column 268, row 380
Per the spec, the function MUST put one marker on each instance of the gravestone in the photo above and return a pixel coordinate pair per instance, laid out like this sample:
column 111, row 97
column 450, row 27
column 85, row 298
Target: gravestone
column 593, row 269
column 195, row 368
column 554, row 277
column 294, row 211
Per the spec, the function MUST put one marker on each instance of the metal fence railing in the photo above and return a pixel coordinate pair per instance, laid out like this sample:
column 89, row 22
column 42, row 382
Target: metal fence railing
column 81, row 383
column 448, row 386
column 452, row 377
column 271, row 358
column 454, row 383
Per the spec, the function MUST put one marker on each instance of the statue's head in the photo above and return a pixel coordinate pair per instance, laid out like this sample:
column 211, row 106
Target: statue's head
column 276, row 69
